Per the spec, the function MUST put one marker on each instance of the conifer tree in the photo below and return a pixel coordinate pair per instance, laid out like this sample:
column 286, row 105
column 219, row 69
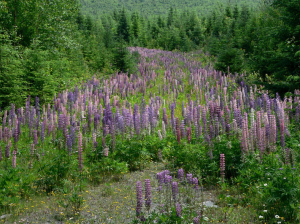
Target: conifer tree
column 123, row 27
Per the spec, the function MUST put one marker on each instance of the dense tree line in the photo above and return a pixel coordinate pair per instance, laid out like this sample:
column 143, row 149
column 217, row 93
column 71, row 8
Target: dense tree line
column 150, row 8
column 44, row 44
column 47, row 46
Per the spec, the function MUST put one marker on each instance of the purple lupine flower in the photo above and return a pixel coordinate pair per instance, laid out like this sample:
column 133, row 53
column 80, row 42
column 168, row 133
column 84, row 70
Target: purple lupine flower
column 173, row 116
column 69, row 144
column 189, row 134
column 258, row 127
column 239, row 117
column 159, row 135
column 222, row 166
column 244, row 136
column 227, row 114
column 196, row 220
column 35, row 138
column 165, row 117
column 178, row 209
column 147, row 193
column 174, row 190
column 217, row 126
column 211, row 110
column 105, row 152
column 37, row 103
column 163, row 129
column 189, row 178
column 19, row 126
column 42, row 132
column 182, row 128
column 7, row 151
column 6, row 134
column 168, row 180
column 195, row 183
column 160, row 177
column 37, row 120
column 143, row 219
column 14, row 159
column 65, row 126
column 282, row 132
column 139, row 198
column 96, row 121
column 180, row 174
column 273, row 130
column 80, row 159
column 12, row 112
column 60, row 121
column 16, row 134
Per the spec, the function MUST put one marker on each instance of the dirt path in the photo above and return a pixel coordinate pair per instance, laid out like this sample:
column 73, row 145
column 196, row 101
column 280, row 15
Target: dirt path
column 115, row 202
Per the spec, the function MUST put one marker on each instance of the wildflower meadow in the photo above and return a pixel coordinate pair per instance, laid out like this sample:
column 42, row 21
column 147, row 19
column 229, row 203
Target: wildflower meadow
column 175, row 142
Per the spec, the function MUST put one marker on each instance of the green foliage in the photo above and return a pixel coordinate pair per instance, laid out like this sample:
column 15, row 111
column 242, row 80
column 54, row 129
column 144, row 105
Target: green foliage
column 232, row 58
column 53, row 171
column 270, row 186
column 134, row 153
column 13, row 186
column 194, row 158
column 190, row 157
column 10, row 72
column 155, row 7
column 123, row 61
column 106, row 167
column 46, row 47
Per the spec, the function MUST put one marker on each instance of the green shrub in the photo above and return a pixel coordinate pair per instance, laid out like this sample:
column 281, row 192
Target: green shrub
column 13, row 186
column 53, row 171
column 271, row 187
column 106, row 167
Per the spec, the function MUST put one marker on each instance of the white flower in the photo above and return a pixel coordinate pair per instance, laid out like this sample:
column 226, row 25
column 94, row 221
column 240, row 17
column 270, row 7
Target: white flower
column 278, row 222
column 265, row 210
column 265, row 184
column 260, row 216
column 205, row 218
column 277, row 216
